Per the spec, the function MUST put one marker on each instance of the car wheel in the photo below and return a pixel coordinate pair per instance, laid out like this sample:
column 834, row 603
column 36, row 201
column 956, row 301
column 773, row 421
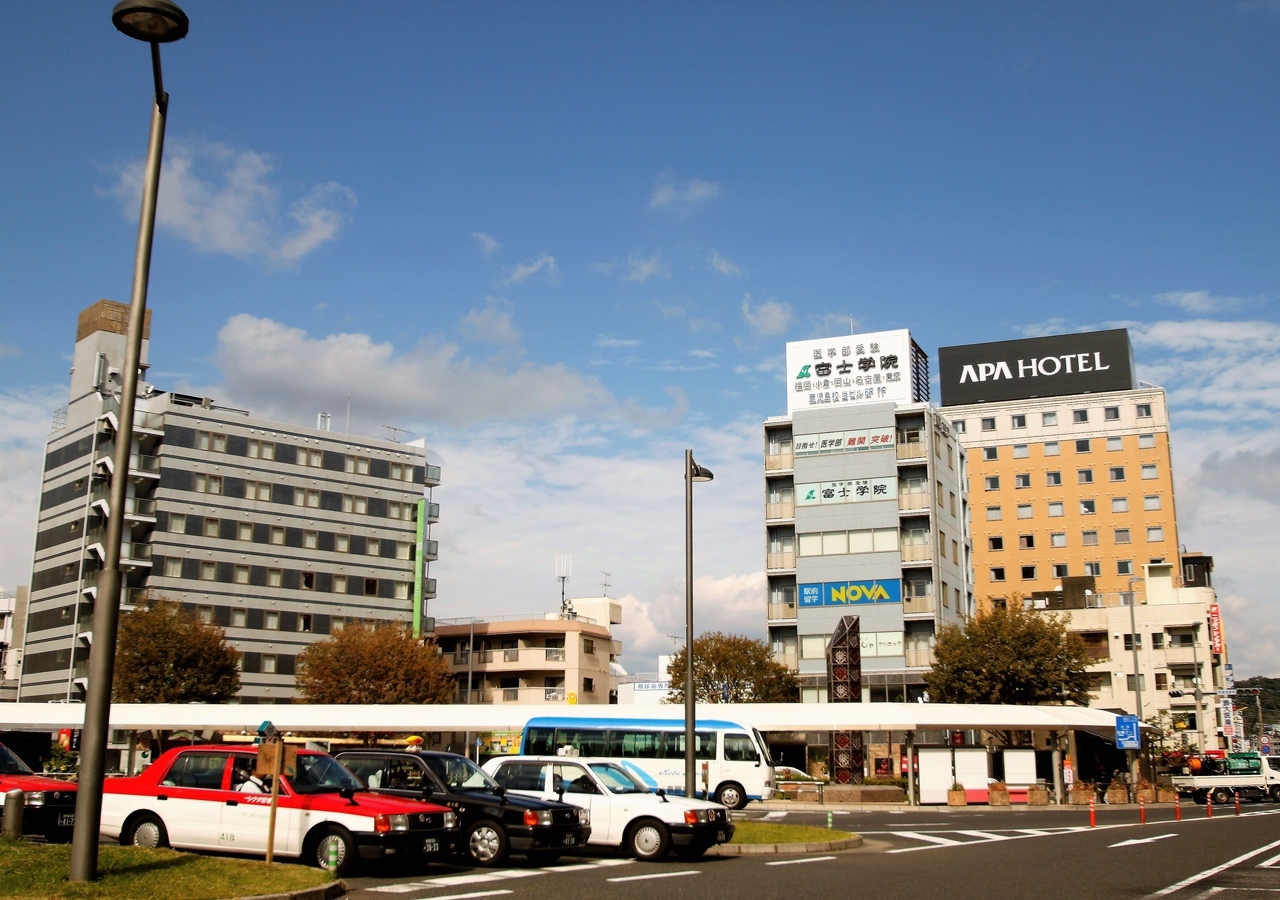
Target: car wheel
column 691, row 852
column 145, row 831
column 486, row 843
column 648, row 840
column 334, row 849
column 1222, row 796
column 1275, row 792
column 731, row 795
column 543, row 857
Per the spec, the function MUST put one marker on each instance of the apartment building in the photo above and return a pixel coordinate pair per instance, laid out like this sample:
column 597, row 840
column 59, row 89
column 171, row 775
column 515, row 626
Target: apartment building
column 558, row 658
column 13, row 617
column 278, row 533
column 1069, row 462
column 865, row 514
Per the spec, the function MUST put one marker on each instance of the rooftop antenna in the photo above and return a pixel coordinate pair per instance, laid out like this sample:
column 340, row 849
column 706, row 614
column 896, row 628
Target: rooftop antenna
column 851, row 324
column 606, row 582
column 396, row 432
column 564, row 570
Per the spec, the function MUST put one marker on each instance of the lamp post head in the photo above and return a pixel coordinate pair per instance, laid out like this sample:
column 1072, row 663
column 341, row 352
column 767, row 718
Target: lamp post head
column 153, row 21
column 699, row 473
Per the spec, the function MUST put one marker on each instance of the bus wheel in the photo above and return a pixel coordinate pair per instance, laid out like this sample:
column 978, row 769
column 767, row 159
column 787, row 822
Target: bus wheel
column 732, row 795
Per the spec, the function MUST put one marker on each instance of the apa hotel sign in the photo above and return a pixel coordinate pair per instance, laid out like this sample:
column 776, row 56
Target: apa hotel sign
column 1036, row 367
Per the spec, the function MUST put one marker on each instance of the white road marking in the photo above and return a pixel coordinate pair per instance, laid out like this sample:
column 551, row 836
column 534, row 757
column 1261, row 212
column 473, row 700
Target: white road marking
column 1270, row 863
column 927, row 838
column 1209, row 873
column 794, row 862
column 988, row 835
column 1147, row 840
column 776, row 815
column 485, row 877
column 654, row 875
column 473, row 894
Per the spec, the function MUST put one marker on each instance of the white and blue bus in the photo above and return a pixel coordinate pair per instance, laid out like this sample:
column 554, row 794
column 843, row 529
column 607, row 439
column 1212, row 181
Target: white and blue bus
column 733, row 760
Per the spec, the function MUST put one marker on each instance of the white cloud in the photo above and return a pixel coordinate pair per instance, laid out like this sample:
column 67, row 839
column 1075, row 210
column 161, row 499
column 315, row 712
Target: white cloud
column 768, row 318
column 491, row 323
column 487, row 243
column 703, row 354
column 524, row 271
column 27, row 415
column 1201, row 302
column 724, row 265
column 681, row 196
column 640, row 268
column 221, row 200
column 606, row 340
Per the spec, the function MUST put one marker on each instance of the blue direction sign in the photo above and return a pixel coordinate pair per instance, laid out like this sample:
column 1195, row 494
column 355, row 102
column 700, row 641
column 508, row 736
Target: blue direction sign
column 1128, row 736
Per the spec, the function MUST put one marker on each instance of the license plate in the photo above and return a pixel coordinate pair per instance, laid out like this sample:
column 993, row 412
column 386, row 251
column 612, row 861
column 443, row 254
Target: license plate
column 431, row 845
column 720, row 836
column 66, row 819
column 569, row 840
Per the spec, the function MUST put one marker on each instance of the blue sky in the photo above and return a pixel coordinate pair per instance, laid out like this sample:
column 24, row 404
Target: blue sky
column 564, row 241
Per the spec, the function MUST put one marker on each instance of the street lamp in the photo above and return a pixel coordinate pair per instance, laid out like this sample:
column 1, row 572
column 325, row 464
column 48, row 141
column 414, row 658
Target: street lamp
column 692, row 472
column 156, row 22
column 1137, row 678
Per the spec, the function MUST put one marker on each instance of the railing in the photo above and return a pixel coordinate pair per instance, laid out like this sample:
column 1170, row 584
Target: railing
column 913, row 500
column 777, row 461
column 142, row 420
column 782, row 559
column 919, row 658
column 1108, row 600
column 782, row 610
column 784, row 510
column 790, row 660
column 482, row 656
column 141, row 464
column 433, row 512
column 511, row 695
column 912, row 451
column 433, row 474
column 918, row 605
column 1097, row 652
column 429, row 587
column 555, row 654
column 554, row 695
column 130, row 550
column 430, row 549
column 511, row 656
column 1183, row 654
column 916, row 552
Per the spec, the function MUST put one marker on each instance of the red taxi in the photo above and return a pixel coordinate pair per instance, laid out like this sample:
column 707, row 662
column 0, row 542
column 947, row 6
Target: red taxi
column 50, row 804
column 206, row 798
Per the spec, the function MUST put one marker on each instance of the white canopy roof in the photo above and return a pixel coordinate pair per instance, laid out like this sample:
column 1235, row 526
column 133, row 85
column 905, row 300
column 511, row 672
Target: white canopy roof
column 507, row 717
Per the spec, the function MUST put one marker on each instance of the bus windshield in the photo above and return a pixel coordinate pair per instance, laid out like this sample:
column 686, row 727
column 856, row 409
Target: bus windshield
column 764, row 746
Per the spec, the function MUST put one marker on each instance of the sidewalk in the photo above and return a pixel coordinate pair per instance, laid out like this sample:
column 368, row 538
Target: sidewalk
column 807, row 806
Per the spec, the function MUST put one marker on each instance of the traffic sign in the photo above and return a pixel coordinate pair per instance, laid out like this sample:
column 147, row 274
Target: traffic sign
column 1228, row 692
column 1128, row 736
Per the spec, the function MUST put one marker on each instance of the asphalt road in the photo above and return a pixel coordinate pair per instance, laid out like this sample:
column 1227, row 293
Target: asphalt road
column 973, row 853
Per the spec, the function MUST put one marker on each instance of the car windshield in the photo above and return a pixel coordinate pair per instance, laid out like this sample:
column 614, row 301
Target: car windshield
column 318, row 773
column 460, row 774
column 617, row 779
column 10, row 764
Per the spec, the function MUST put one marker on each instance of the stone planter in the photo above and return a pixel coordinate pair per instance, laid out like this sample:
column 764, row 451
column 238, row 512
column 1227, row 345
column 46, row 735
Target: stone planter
column 1117, row 795
column 997, row 796
column 957, row 798
column 1037, row 797
column 1080, row 798
column 1165, row 794
column 1147, row 794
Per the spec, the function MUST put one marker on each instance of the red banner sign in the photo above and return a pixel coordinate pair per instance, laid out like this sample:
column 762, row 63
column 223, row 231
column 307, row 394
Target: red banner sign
column 1215, row 628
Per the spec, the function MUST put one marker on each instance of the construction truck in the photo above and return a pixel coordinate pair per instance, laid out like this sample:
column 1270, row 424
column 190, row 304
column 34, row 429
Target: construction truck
column 1250, row 775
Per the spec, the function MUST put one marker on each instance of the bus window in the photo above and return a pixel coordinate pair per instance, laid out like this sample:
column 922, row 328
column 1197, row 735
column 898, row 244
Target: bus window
column 586, row 742
column 740, row 748
column 635, row 744
column 764, row 746
column 540, row 742
column 704, row 745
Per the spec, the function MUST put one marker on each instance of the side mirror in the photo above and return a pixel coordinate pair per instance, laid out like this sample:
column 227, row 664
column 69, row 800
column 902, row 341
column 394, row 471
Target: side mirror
column 499, row 791
column 557, row 785
column 662, row 793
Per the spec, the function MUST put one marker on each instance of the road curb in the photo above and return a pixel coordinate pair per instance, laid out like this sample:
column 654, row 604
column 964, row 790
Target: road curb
column 320, row 892
column 763, row 849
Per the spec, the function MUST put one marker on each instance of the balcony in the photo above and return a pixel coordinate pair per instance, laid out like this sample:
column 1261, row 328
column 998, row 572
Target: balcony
column 917, row 552
column 555, row 654
column 782, row 611
column 913, row 500
column 137, row 510
column 1097, row 653
column 554, row 695
column 915, row 450
column 919, row 657
column 791, row 660
column 511, row 656
column 782, row 559
column 428, row 587
column 463, row 657
column 432, row 475
column 433, row 512
column 779, row 462
column 918, row 605
column 430, row 550
column 785, row 510
column 1184, row 654
column 143, row 422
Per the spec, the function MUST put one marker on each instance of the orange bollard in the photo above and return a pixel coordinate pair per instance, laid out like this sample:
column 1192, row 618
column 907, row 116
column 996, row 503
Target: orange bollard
column 1237, row 803
column 1142, row 811
column 1177, row 807
column 1208, row 806
column 1093, row 814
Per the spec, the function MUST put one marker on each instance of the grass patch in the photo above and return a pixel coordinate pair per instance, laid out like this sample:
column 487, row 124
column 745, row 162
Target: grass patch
column 752, row 832
column 39, row 872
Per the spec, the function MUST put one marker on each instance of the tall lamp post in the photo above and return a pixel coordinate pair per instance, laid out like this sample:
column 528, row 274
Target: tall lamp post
column 1134, row 639
column 692, row 472
column 156, row 22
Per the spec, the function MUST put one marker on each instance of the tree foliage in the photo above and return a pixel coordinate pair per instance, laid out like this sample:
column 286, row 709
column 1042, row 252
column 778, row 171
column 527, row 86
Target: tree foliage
column 380, row 664
column 1010, row 655
column 735, row 669
column 164, row 654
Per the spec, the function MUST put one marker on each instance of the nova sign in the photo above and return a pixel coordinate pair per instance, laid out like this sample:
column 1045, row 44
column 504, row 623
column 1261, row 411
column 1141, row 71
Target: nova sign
column 1036, row 367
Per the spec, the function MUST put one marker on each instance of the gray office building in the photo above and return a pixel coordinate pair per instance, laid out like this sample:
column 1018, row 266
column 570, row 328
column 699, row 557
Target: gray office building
column 280, row 534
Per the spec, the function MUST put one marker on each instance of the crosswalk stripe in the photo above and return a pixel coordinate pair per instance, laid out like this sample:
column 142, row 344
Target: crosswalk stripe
column 987, row 835
column 927, row 838
column 489, row 877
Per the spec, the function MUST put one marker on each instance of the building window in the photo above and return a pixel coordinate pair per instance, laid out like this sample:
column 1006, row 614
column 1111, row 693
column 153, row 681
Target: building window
column 1082, row 446
column 342, row 543
column 358, row 465
column 402, row 590
column 994, row 514
column 1022, row 481
column 211, row 528
column 241, row 575
column 172, row 567
column 1049, row 419
column 339, row 584
column 997, row 574
column 257, row 490
column 1053, row 479
column 1093, row 568
column 1058, row 539
column 1028, row 573
column 1146, row 441
column 308, row 581
column 306, row 498
column 957, row 425
column 359, row 505
column 208, row 571
column 372, row 547
column 1124, row 567
column 1021, row 451
column 268, row 663
column 1122, row 535
column 1142, row 682
column 1157, row 643
column 208, row 484
column 244, row 531
column 1080, row 416
column 1019, row 421
column 310, row 540
column 371, row 587
column 1151, row 501
column 1155, row 534
column 992, row 482
column 204, row 615
column 1162, row 678
column 210, row 442
column 404, row 549
column 177, row 523
column 1119, row 504
column 1056, row 509
column 1026, row 542
column 1117, row 473
column 1130, row 642
column 312, row 458
column 304, row 623
column 1088, row 507
column 1084, row 476
column 271, row 620
column 1051, row 448
column 401, row 510
column 995, row 543
column 1024, row 511
column 1144, row 410
column 1059, row 570
column 1149, row 471
column 588, row 685
column 1111, row 413
column 262, row 450
column 990, row 453
column 1114, row 444
column 275, row 577
column 397, row 472
column 239, row 618
column 989, row 423
column 1089, row 538
column 277, row 534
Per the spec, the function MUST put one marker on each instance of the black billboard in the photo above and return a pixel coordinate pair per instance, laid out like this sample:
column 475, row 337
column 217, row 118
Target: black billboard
column 1052, row 366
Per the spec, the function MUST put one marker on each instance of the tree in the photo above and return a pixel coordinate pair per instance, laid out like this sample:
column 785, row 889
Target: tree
column 381, row 664
column 164, row 654
column 1010, row 655
column 733, row 668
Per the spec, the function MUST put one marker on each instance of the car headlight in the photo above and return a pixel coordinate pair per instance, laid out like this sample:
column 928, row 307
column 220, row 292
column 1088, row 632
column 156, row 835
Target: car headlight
column 534, row 817
column 33, row 798
column 451, row 819
column 694, row 816
column 584, row 817
column 385, row 823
